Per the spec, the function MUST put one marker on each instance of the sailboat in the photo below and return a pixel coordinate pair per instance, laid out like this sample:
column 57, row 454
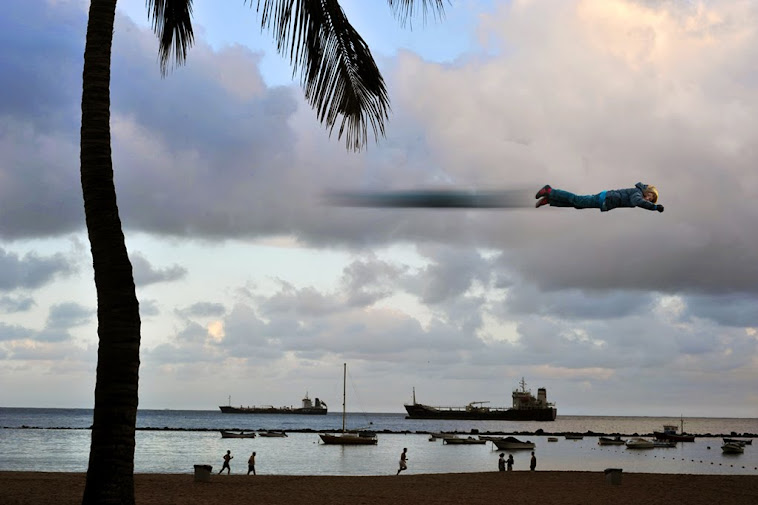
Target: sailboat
column 348, row 437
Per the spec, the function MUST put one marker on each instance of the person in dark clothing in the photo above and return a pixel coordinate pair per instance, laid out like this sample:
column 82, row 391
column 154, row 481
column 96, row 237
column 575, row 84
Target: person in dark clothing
column 501, row 462
column 641, row 195
column 251, row 464
column 510, row 462
column 533, row 463
column 227, row 457
column 403, row 461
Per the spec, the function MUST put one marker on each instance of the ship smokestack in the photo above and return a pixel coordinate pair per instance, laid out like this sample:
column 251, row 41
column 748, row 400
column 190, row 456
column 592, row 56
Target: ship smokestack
column 542, row 396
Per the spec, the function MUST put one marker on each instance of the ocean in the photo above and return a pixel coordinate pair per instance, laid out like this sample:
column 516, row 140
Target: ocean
column 173, row 441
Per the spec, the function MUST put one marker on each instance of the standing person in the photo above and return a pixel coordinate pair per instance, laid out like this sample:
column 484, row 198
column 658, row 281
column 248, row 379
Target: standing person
column 227, row 457
column 251, row 464
column 501, row 462
column 533, row 464
column 641, row 195
column 403, row 461
column 510, row 462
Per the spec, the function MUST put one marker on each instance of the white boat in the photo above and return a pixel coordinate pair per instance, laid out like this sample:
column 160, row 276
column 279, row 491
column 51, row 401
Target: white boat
column 732, row 448
column 738, row 441
column 278, row 434
column 463, row 441
column 639, row 443
column 348, row 437
column 610, row 441
column 234, row 434
column 513, row 444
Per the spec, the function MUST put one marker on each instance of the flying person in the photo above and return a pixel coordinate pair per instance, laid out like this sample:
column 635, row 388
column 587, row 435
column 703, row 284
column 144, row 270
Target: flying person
column 641, row 195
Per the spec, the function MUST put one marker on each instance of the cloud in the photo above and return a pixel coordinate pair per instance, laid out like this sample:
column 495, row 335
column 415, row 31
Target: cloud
column 68, row 315
column 10, row 304
column 145, row 274
column 31, row 271
column 203, row 309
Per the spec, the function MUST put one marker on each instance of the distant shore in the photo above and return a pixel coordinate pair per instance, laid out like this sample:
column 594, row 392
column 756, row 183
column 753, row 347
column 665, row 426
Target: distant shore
column 522, row 487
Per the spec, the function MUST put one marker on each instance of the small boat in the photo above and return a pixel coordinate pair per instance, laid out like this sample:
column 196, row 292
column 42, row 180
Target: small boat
column 639, row 443
column 610, row 441
column 272, row 434
column 441, row 435
column 234, row 434
column 732, row 448
column 670, row 433
column 738, row 441
column 462, row 441
column 348, row 438
column 552, row 439
column 513, row 444
column 488, row 438
column 574, row 436
column 664, row 444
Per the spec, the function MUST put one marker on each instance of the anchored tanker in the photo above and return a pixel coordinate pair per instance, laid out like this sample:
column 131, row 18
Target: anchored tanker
column 525, row 408
column 309, row 408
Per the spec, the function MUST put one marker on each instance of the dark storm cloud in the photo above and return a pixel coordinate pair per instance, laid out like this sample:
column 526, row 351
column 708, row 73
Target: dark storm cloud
column 202, row 309
column 10, row 304
column 42, row 43
column 40, row 75
column 31, row 271
column 572, row 304
column 145, row 274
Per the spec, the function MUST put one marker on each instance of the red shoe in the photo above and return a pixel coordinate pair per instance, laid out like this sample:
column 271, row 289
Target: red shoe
column 543, row 201
column 545, row 191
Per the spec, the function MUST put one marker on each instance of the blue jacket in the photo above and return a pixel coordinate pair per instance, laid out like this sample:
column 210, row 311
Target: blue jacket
column 630, row 197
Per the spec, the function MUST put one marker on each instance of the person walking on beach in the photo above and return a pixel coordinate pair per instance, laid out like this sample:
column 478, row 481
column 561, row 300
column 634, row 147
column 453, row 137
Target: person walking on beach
column 227, row 457
column 533, row 464
column 251, row 464
column 510, row 462
column 403, row 461
column 501, row 462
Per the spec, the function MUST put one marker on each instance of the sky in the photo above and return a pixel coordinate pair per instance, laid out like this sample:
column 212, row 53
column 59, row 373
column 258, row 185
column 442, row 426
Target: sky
column 252, row 289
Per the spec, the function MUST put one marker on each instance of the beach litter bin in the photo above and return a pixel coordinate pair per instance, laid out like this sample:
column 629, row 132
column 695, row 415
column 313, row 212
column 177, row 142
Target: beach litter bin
column 613, row 476
column 203, row 473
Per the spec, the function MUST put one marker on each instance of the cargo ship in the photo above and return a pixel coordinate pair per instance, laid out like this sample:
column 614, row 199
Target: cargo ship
column 309, row 408
column 525, row 408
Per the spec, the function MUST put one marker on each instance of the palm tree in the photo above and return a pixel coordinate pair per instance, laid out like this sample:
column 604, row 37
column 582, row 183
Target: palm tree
column 341, row 82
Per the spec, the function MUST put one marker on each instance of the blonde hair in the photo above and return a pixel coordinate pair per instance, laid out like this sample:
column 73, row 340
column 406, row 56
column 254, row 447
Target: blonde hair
column 652, row 189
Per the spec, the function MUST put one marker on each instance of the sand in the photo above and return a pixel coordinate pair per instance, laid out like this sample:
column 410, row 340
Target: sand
column 522, row 488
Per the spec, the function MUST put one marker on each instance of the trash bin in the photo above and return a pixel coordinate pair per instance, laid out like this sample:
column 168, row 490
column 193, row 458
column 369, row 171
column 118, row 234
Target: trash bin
column 613, row 475
column 203, row 473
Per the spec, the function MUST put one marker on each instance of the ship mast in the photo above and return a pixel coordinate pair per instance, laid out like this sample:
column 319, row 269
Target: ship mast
column 344, row 381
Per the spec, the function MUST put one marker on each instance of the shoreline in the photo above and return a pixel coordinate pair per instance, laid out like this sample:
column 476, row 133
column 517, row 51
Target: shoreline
column 474, row 431
column 522, row 487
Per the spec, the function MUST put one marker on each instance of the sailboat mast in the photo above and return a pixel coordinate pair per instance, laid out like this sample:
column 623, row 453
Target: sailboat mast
column 344, row 382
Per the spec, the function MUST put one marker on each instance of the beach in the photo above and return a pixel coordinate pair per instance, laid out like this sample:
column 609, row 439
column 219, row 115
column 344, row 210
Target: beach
column 523, row 488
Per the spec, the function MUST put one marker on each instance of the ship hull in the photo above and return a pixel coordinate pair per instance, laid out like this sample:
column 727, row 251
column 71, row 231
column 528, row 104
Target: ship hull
column 420, row 411
column 272, row 410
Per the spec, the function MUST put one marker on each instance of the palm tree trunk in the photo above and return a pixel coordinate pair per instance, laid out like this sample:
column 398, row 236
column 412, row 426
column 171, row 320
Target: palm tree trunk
column 110, row 475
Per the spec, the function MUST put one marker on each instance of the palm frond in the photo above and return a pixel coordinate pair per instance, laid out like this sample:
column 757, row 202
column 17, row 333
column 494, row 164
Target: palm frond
column 404, row 9
column 337, row 71
column 172, row 23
